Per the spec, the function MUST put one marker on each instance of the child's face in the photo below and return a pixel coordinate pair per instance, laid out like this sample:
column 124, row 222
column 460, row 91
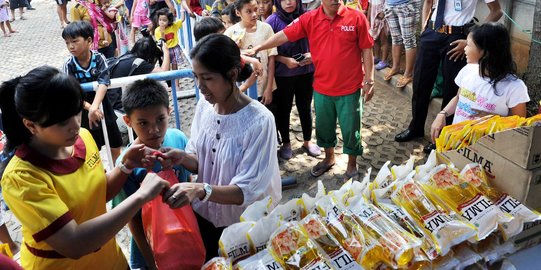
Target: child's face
column 248, row 13
column 163, row 21
column 61, row 134
column 214, row 87
column 78, row 46
column 150, row 124
column 288, row 5
column 105, row 3
column 264, row 7
column 473, row 54
column 227, row 21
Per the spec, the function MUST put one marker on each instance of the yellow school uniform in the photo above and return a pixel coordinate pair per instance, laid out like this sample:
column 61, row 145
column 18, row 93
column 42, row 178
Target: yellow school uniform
column 46, row 194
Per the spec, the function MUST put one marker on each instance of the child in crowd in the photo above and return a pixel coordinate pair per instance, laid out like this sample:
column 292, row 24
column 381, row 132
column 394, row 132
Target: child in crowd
column 265, row 9
column 229, row 16
column 167, row 30
column 88, row 66
column 56, row 185
column 294, row 77
column 207, row 26
column 4, row 18
column 248, row 33
column 219, row 5
column 378, row 31
column 206, row 5
column 488, row 84
column 94, row 13
column 146, row 103
column 139, row 17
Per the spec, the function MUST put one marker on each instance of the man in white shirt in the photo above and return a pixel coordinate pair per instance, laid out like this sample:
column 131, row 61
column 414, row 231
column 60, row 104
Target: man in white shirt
column 443, row 40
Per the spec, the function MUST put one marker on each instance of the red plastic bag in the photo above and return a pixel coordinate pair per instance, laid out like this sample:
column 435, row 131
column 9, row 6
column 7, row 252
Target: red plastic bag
column 173, row 234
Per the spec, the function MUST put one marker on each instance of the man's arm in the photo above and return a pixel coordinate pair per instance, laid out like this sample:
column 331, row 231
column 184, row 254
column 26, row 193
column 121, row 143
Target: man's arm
column 368, row 89
column 275, row 41
column 495, row 11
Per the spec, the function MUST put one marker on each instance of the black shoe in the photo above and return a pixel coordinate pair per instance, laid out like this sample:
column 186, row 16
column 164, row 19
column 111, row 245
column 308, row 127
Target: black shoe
column 406, row 135
column 30, row 8
column 429, row 147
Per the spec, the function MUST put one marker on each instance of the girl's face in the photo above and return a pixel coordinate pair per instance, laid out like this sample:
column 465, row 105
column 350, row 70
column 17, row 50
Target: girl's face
column 227, row 21
column 248, row 13
column 473, row 53
column 61, row 134
column 214, row 87
column 163, row 21
column 264, row 7
column 288, row 5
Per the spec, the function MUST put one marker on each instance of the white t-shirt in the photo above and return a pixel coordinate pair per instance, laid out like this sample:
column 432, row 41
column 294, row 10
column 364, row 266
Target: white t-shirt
column 477, row 93
column 235, row 149
column 247, row 41
column 458, row 17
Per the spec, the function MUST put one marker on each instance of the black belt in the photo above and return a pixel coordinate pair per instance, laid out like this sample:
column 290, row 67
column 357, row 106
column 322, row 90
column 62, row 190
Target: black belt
column 450, row 29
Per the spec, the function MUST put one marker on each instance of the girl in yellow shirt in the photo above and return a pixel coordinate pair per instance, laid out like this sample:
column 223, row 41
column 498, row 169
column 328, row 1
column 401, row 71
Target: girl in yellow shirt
column 56, row 185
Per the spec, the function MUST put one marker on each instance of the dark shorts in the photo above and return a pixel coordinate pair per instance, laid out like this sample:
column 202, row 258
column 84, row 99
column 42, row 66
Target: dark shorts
column 14, row 4
column 61, row 2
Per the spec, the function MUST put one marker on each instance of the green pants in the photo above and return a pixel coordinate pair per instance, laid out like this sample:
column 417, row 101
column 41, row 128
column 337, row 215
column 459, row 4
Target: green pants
column 348, row 110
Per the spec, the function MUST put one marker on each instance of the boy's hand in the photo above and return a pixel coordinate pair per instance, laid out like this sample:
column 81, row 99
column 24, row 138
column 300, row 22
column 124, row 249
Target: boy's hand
column 94, row 117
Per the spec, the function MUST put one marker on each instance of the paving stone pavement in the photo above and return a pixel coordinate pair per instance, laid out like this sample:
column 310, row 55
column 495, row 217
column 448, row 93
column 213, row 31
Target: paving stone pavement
column 39, row 42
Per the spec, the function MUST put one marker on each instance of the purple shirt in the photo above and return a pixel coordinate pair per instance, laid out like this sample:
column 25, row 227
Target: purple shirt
column 289, row 49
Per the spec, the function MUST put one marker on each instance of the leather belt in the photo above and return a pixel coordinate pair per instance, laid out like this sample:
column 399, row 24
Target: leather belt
column 450, row 29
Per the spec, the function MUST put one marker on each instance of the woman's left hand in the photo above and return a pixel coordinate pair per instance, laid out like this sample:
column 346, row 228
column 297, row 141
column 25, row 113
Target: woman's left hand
column 267, row 97
column 182, row 194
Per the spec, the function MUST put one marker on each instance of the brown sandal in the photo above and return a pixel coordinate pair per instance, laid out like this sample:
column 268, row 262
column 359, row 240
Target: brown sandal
column 389, row 75
column 403, row 81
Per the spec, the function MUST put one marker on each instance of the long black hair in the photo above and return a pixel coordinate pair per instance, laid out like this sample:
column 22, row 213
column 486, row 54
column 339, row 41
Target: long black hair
column 220, row 54
column 45, row 96
column 147, row 49
column 496, row 62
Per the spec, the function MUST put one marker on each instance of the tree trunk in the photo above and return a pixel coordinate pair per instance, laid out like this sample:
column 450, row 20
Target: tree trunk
column 532, row 77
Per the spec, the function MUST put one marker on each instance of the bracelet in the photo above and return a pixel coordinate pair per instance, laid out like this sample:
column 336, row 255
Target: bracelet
column 444, row 113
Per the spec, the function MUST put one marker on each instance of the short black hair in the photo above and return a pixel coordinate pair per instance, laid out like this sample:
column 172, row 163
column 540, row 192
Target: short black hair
column 207, row 26
column 166, row 12
column 78, row 29
column 144, row 93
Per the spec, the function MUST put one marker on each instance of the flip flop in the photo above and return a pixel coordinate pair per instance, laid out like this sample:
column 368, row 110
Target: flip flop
column 353, row 175
column 320, row 169
column 389, row 75
column 403, row 81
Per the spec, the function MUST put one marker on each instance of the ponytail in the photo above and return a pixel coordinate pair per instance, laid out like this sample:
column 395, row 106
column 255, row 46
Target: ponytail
column 14, row 128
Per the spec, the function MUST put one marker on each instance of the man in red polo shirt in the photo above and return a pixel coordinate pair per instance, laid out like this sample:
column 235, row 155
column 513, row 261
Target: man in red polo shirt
column 340, row 46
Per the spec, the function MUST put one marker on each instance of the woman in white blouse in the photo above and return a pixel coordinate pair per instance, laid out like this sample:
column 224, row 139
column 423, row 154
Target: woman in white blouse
column 232, row 146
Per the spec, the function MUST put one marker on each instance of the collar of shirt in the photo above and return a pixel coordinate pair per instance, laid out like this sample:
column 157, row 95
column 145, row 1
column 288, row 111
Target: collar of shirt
column 60, row 166
column 321, row 16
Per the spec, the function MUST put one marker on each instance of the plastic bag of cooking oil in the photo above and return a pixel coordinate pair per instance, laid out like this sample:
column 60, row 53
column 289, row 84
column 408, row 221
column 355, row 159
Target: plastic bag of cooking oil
column 313, row 225
column 234, row 242
column 466, row 200
column 475, row 176
column 532, row 120
column 257, row 210
column 290, row 211
column 384, row 176
column 398, row 244
column 509, row 122
column 443, row 142
column 258, row 235
column 444, row 230
column 308, row 203
column 363, row 248
column 402, row 171
column 483, row 128
column 218, row 263
column 466, row 256
column 261, row 261
column 293, row 249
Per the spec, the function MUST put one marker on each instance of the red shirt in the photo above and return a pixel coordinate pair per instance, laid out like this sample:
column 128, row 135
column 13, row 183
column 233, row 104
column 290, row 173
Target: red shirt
column 336, row 47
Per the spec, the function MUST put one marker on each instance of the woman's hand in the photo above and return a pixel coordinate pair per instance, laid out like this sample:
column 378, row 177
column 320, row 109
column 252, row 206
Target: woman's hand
column 94, row 117
column 437, row 126
column 307, row 59
column 151, row 186
column 291, row 62
column 182, row 194
column 267, row 97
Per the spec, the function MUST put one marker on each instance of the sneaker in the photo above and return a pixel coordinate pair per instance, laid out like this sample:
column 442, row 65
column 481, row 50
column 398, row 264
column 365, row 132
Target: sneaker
column 376, row 60
column 381, row 65
column 286, row 152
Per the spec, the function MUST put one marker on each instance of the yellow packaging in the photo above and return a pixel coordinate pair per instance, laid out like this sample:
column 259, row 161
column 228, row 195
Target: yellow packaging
column 466, row 200
column 308, row 203
column 532, row 120
column 444, row 230
column 294, row 250
column 261, row 261
column 475, row 175
column 234, row 242
column 257, row 210
column 339, row 257
column 398, row 244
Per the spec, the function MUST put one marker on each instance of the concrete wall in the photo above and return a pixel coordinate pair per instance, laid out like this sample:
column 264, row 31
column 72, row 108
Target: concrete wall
column 522, row 12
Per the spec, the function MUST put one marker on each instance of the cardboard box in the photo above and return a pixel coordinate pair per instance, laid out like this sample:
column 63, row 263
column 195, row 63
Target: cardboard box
column 524, row 185
column 519, row 145
column 530, row 236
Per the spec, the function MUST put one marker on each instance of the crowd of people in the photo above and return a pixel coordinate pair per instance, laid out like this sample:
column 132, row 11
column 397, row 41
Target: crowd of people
column 311, row 51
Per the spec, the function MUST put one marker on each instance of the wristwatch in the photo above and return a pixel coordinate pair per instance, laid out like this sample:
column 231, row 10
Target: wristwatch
column 208, row 190
column 124, row 169
column 369, row 82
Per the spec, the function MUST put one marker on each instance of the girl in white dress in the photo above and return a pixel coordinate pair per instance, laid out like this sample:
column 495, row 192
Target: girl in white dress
column 232, row 147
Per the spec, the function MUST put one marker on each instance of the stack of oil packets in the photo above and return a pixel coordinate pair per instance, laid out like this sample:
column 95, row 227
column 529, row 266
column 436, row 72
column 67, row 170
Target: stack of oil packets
column 433, row 217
